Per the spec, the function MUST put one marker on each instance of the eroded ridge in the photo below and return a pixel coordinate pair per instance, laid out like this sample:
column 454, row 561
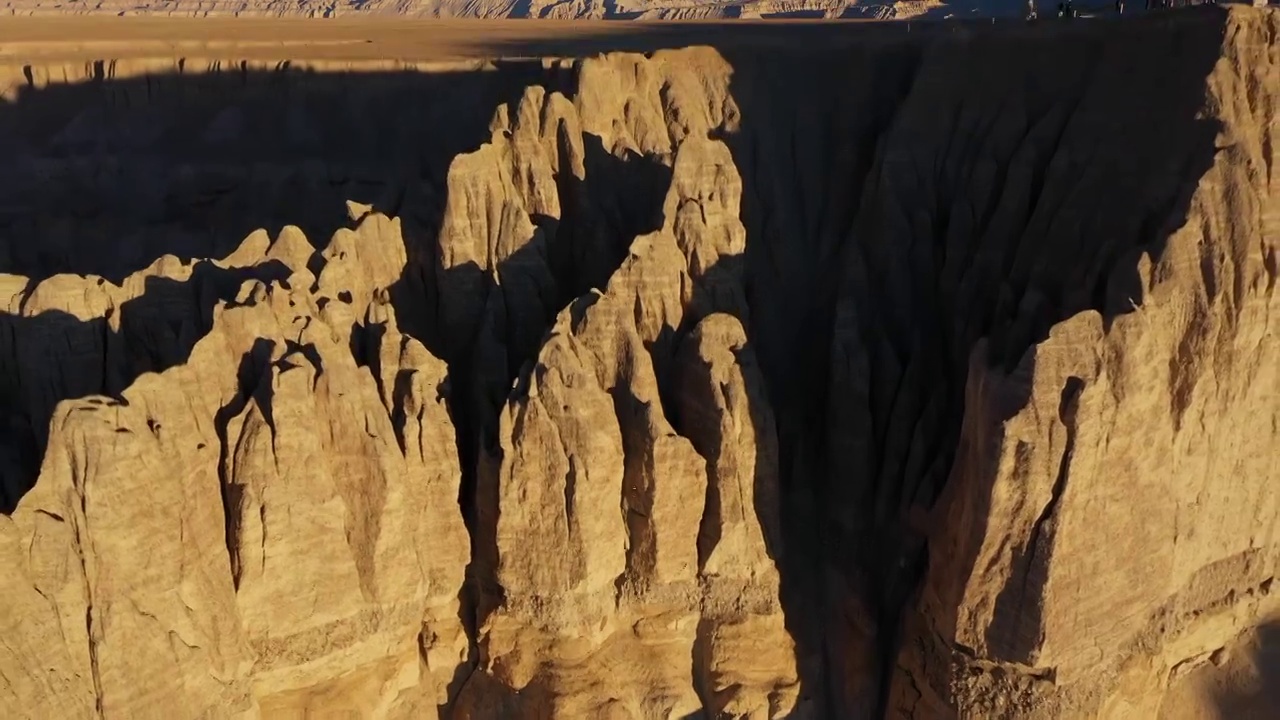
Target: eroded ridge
column 785, row 385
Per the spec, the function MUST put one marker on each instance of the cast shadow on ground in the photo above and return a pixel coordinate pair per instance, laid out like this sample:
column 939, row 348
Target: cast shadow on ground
column 108, row 175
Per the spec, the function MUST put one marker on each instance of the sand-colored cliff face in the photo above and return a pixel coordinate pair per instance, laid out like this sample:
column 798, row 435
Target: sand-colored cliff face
column 933, row 377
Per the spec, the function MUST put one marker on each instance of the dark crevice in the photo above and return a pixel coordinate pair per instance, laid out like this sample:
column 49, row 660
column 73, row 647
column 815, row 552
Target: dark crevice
column 1000, row 255
column 1017, row 603
column 248, row 376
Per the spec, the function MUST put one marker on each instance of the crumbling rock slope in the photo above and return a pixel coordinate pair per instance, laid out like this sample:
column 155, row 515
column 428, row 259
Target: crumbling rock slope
column 931, row 378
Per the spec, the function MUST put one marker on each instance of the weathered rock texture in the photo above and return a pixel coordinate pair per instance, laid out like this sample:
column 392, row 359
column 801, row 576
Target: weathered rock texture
column 935, row 378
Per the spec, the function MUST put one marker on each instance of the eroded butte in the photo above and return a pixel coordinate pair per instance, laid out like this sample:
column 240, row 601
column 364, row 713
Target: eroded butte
column 805, row 373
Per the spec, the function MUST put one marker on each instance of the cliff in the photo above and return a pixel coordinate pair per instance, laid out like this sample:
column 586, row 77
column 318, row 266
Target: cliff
column 911, row 377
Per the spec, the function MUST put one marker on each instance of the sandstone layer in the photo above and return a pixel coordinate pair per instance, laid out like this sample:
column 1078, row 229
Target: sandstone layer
column 930, row 376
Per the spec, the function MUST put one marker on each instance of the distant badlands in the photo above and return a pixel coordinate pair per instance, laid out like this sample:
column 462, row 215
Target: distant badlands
column 527, row 9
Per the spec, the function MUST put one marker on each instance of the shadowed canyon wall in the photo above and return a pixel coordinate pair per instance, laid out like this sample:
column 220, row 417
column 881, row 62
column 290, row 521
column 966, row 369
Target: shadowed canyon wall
column 927, row 377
